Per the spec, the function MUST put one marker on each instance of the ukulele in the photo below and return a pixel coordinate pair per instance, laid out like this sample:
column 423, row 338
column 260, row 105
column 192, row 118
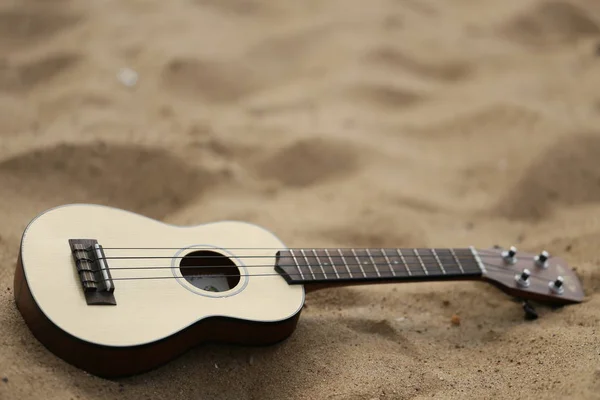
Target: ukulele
column 115, row 293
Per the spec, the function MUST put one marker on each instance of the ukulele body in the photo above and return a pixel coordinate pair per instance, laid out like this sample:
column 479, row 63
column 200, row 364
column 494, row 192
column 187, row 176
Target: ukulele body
column 160, row 311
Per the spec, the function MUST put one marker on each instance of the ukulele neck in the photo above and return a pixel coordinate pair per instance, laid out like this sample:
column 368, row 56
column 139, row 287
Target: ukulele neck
column 339, row 267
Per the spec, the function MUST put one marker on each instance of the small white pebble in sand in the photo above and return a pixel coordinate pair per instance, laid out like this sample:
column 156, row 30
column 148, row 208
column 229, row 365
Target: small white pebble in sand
column 127, row 77
column 216, row 366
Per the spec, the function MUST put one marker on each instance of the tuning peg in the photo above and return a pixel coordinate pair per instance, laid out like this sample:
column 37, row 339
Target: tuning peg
column 523, row 278
column 510, row 255
column 541, row 260
column 557, row 285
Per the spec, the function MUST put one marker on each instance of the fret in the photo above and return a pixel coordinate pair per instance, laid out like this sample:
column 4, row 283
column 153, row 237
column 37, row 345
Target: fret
column 297, row 264
column 428, row 260
column 307, row 263
column 367, row 265
column 382, row 263
column 457, row 261
column 397, row 259
column 387, row 260
column 374, row 263
column 319, row 262
column 421, row 262
column 358, row 262
column 467, row 260
column 328, row 268
column 478, row 260
column 446, row 258
column 438, row 260
column 332, row 264
column 345, row 263
column 404, row 262
column 413, row 263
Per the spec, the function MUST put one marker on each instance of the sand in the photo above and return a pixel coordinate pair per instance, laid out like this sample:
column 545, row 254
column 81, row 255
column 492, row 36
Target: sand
column 332, row 123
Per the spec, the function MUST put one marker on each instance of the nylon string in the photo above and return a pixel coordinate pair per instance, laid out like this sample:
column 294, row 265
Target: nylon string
column 418, row 264
column 492, row 267
column 405, row 272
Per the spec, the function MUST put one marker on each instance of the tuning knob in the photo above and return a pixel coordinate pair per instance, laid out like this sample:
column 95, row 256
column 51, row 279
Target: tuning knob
column 523, row 278
column 541, row 260
column 510, row 255
column 557, row 285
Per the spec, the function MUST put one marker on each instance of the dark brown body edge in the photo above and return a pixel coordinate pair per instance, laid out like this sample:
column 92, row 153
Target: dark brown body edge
column 117, row 362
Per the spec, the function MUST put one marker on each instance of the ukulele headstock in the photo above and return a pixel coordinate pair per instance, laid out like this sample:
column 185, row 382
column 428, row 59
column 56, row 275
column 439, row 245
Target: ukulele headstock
column 539, row 277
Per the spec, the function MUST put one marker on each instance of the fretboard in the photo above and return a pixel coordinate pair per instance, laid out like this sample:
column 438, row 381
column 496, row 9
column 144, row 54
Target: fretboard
column 329, row 265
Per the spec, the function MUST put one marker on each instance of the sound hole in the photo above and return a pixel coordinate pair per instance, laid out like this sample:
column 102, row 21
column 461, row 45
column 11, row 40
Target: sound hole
column 210, row 271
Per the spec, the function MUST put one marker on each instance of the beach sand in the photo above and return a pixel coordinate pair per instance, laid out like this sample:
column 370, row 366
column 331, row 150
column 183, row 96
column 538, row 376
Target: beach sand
column 331, row 123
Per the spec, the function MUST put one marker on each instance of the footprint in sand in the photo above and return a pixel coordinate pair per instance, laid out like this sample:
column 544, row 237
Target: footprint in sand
column 293, row 48
column 386, row 97
column 309, row 162
column 270, row 63
column 397, row 60
column 566, row 174
column 551, row 23
column 25, row 76
column 19, row 27
column 148, row 181
column 208, row 80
